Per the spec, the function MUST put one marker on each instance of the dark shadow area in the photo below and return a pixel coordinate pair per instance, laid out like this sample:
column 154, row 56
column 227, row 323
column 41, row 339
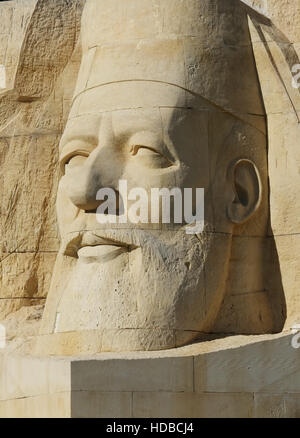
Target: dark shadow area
column 273, row 278
column 261, row 23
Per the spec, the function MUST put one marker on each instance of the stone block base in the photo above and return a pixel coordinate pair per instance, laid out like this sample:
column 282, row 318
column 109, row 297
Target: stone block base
column 238, row 376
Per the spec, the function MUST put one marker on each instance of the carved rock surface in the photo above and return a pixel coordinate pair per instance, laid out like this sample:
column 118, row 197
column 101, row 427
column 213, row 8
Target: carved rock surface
column 37, row 42
column 39, row 48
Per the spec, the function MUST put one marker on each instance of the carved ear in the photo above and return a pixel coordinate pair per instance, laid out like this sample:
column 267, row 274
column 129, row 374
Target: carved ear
column 246, row 191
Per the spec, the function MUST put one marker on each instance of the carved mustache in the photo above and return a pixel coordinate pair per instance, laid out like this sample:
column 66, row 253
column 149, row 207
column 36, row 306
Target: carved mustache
column 80, row 239
column 153, row 246
column 128, row 239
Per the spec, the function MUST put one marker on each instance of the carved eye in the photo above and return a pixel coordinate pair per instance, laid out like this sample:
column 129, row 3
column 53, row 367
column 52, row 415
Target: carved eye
column 74, row 160
column 150, row 157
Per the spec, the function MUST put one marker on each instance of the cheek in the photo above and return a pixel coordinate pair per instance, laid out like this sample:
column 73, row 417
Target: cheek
column 138, row 176
column 193, row 175
column 65, row 209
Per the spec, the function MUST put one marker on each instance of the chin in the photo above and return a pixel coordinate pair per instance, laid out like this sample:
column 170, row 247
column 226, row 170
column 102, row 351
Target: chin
column 156, row 296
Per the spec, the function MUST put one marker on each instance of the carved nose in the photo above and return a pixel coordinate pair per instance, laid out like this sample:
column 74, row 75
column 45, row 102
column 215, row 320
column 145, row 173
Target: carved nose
column 82, row 189
column 83, row 182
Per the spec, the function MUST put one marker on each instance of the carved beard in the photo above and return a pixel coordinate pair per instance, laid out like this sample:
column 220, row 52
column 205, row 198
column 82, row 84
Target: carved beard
column 129, row 300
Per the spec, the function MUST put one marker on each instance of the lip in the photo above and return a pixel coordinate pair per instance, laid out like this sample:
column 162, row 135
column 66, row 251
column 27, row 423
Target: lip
column 100, row 253
column 87, row 244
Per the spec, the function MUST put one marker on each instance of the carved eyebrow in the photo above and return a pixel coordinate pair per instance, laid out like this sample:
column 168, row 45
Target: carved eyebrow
column 86, row 139
column 135, row 149
column 148, row 140
column 76, row 145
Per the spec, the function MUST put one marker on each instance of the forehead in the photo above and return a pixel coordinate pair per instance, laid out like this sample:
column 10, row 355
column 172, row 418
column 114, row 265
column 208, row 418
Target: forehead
column 129, row 107
column 129, row 95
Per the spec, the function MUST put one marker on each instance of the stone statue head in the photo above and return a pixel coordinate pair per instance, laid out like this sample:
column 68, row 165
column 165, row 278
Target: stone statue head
column 167, row 97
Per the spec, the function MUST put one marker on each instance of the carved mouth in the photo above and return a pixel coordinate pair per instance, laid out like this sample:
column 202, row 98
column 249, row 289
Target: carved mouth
column 100, row 253
column 87, row 244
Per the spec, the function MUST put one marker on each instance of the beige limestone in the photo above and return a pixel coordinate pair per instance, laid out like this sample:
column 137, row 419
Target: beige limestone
column 275, row 57
column 40, row 80
column 215, row 71
column 238, row 376
column 160, row 90
column 173, row 50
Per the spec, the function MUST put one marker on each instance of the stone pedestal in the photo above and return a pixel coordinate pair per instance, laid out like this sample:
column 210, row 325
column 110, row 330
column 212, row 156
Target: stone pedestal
column 240, row 376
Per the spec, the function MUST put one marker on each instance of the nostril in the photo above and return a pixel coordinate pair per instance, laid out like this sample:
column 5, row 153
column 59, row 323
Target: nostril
column 87, row 205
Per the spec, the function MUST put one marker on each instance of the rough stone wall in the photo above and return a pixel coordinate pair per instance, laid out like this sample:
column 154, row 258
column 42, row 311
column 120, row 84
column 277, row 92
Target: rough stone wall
column 259, row 5
column 38, row 39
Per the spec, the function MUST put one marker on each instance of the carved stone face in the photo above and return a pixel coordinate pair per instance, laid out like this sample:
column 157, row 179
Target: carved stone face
column 147, row 286
column 147, row 278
